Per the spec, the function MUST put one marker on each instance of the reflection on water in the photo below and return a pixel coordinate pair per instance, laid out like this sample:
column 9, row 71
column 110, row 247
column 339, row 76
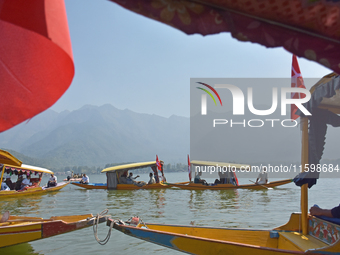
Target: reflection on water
column 262, row 209
column 22, row 249
column 22, row 205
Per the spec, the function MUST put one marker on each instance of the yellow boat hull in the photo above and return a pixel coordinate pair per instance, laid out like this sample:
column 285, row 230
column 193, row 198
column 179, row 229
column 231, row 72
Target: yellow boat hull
column 286, row 239
column 198, row 186
column 30, row 191
column 19, row 229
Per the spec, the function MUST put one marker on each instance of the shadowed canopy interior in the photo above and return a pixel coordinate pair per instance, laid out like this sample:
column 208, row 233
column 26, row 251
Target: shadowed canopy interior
column 324, row 106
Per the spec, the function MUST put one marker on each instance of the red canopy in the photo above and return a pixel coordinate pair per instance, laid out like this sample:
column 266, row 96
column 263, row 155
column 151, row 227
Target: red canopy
column 309, row 29
column 36, row 62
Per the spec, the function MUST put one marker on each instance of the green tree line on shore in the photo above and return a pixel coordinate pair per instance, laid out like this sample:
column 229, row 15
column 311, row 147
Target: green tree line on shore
column 178, row 167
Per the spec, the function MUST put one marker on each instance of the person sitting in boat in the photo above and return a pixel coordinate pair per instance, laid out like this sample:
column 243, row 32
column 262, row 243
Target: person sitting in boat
column 263, row 176
column 52, row 182
column 4, row 186
column 85, row 179
column 130, row 179
column 123, row 178
column 332, row 213
column 19, row 180
column 8, row 180
column 26, row 182
column 152, row 179
column 199, row 180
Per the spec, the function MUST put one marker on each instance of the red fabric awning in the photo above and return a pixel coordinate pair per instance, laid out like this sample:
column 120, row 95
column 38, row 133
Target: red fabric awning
column 308, row 29
column 36, row 62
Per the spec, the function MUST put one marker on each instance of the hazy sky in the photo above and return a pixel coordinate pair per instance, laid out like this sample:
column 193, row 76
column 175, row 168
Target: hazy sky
column 133, row 62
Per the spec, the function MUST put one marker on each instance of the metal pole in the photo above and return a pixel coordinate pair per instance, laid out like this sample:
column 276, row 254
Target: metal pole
column 304, row 188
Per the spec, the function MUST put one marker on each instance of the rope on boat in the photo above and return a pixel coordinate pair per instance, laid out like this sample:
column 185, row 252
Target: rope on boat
column 95, row 228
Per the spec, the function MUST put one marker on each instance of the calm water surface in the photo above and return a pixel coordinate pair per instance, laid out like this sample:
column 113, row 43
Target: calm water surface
column 262, row 209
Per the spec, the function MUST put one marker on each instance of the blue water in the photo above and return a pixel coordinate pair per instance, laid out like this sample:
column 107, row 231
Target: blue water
column 264, row 209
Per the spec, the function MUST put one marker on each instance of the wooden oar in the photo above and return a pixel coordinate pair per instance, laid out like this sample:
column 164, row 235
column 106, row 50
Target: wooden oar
column 260, row 184
column 29, row 220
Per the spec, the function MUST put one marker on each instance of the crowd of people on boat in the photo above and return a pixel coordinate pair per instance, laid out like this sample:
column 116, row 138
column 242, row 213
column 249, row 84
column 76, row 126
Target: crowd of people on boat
column 24, row 179
column 228, row 177
column 224, row 178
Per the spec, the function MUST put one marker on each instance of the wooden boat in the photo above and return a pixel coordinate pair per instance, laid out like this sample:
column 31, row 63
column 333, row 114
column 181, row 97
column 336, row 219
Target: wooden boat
column 286, row 239
column 72, row 179
column 231, row 179
column 198, row 186
column 19, row 229
column 90, row 185
column 114, row 178
column 303, row 234
column 10, row 163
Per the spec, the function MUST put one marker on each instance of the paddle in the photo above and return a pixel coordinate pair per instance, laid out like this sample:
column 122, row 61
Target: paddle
column 30, row 220
column 260, row 185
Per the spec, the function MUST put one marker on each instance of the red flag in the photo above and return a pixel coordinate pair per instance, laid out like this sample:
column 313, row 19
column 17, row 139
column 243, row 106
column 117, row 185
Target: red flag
column 158, row 164
column 296, row 82
column 189, row 169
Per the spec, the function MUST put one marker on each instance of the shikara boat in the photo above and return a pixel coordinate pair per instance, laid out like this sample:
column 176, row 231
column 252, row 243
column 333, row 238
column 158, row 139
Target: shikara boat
column 199, row 186
column 19, row 229
column 231, row 180
column 114, row 180
column 10, row 163
column 303, row 234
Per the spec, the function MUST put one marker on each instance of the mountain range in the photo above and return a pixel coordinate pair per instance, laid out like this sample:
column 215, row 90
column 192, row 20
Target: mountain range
column 98, row 135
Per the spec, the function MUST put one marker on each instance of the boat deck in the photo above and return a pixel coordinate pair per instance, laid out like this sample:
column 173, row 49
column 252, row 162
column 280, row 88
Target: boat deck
column 299, row 242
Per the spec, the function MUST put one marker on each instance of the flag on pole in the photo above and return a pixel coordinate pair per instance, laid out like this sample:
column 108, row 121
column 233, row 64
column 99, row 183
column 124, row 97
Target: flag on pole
column 296, row 82
column 189, row 169
column 158, row 164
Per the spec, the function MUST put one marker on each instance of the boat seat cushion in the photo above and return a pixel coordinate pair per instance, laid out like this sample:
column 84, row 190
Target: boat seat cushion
column 333, row 220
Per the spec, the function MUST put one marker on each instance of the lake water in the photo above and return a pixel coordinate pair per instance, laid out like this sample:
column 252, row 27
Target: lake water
column 264, row 209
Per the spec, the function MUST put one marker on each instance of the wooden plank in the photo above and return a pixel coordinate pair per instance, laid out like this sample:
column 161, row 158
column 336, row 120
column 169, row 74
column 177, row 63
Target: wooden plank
column 304, row 242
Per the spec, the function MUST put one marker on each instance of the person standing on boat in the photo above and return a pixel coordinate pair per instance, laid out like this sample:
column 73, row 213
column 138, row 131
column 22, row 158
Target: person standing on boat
column 85, row 179
column 152, row 180
column 52, row 182
column 263, row 176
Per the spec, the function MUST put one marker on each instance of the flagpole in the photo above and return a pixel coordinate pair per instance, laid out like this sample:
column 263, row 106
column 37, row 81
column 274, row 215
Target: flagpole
column 189, row 168
column 304, row 187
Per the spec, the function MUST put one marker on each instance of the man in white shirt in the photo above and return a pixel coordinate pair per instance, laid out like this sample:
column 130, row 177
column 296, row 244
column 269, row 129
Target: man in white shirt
column 26, row 182
column 52, row 182
column 263, row 176
column 152, row 179
column 85, row 179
